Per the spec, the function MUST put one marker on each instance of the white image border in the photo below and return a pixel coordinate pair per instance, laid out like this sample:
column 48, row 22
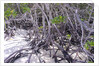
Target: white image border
column 96, row 32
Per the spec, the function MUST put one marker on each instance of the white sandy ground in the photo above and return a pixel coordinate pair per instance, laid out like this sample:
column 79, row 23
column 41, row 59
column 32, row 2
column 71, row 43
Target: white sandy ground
column 18, row 42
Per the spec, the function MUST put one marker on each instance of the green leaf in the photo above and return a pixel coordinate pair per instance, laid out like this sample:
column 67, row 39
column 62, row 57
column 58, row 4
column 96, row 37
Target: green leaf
column 40, row 27
column 88, row 44
column 14, row 14
column 6, row 17
column 24, row 9
column 10, row 12
column 57, row 20
column 68, row 36
column 91, row 43
column 7, row 13
column 57, row 3
column 92, row 36
column 82, row 19
column 90, row 62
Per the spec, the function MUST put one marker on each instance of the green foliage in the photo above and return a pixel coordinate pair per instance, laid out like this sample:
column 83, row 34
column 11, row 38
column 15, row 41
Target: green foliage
column 9, row 12
column 11, row 9
column 92, row 36
column 40, row 27
column 57, row 3
column 14, row 13
column 68, row 36
column 86, row 46
column 82, row 19
column 90, row 62
column 24, row 7
column 58, row 19
column 93, row 14
column 89, row 44
column 24, row 4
